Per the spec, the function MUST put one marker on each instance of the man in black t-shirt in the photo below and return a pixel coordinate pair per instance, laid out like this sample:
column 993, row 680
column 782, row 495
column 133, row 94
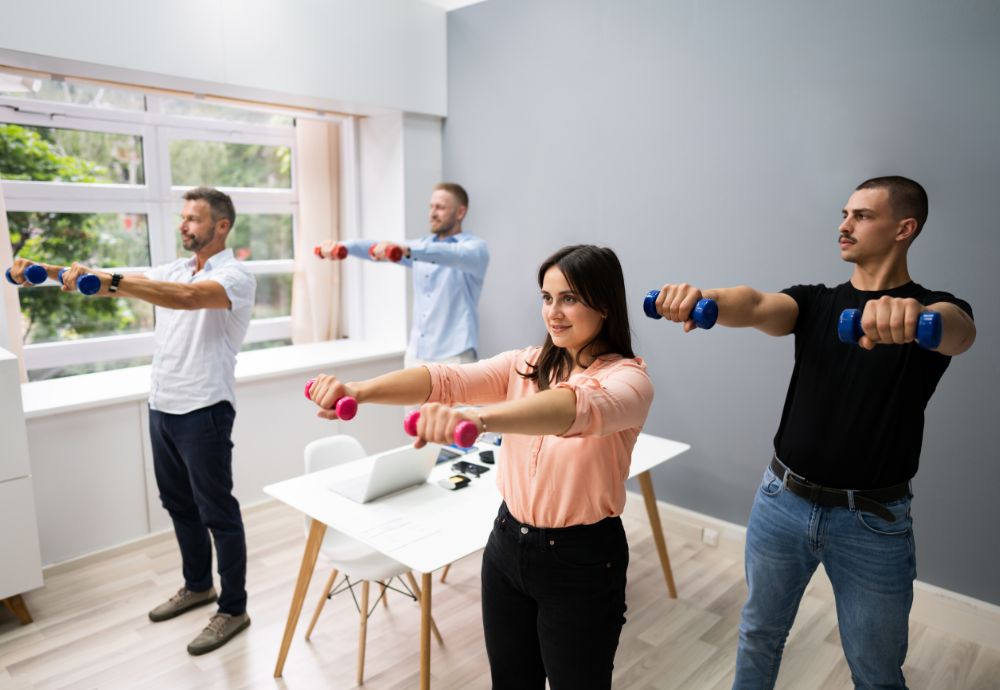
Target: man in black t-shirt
column 837, row 489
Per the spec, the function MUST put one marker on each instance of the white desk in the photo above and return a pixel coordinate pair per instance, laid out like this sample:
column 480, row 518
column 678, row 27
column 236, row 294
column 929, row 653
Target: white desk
column 427, row 527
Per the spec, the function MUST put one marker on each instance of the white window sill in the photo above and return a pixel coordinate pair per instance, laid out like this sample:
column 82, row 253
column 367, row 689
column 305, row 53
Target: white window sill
column 58, row 396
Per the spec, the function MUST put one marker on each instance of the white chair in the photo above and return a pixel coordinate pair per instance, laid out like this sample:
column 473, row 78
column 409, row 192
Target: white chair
column 357, row 562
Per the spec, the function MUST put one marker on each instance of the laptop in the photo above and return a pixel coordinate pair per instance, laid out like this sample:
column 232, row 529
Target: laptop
column 387, row 473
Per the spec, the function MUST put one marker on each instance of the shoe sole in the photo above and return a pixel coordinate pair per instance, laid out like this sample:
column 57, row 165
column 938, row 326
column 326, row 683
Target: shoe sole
column 215, row 645
column 159, row 618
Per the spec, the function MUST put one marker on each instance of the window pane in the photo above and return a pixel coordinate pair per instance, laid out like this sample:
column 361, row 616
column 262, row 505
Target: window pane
column 60, row 372
column 256, row 237
column 47, row 154
column 96, row 239
column 218, row 164
column 49, row 314
column 274, row 296
column 215, row 111
column 62, row 91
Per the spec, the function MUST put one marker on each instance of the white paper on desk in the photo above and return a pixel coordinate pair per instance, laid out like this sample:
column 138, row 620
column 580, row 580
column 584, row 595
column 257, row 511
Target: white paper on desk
column 389, row 529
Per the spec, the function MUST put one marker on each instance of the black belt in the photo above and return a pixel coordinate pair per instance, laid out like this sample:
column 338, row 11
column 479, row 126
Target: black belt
column 870, row 501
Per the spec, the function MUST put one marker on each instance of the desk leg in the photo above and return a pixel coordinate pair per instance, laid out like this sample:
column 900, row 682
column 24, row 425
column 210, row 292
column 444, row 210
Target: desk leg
column 649, row 497
column 315, row 540
column 425, row 632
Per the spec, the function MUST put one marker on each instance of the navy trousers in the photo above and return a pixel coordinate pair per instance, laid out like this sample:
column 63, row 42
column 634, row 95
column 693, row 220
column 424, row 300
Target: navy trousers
column 193, row 462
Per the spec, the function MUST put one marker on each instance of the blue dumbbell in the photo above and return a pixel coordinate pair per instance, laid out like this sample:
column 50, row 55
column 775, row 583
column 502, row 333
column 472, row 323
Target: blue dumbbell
column 704, row 314
column 928, row 328
column 88, row 283
column 34, row 274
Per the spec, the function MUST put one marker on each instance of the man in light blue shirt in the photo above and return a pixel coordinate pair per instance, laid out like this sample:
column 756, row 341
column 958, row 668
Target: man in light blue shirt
column 449, row 267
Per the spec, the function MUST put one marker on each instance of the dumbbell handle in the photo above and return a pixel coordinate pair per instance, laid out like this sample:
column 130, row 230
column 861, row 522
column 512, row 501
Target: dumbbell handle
column 34, row 274
column 88, row 283
column 928, row 328
column 704, row 314
column 465, row 433
column 393, row 252
column 337, row 252
column 346, row 406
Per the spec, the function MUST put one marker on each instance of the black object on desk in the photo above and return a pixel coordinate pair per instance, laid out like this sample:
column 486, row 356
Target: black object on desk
column 469, row 468
column 486, row 456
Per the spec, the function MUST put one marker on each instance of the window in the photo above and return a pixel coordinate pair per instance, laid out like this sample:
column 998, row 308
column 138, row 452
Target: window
column 97, row 175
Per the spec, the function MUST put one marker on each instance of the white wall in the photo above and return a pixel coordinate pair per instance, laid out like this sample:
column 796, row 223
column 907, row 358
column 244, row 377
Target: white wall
column 348, row 55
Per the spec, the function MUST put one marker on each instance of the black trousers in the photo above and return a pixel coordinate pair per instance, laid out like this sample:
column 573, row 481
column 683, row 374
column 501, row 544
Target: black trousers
column 193, row 462
column 553, row 603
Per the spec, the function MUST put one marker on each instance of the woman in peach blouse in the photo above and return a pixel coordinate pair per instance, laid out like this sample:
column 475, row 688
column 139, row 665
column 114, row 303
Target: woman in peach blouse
column 553, row 574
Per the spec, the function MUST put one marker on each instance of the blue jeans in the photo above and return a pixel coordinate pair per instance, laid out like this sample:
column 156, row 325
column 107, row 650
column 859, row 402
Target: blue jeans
column 871, row 565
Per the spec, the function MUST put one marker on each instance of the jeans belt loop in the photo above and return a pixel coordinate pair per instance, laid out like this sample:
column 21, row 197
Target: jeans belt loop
column 850, row 500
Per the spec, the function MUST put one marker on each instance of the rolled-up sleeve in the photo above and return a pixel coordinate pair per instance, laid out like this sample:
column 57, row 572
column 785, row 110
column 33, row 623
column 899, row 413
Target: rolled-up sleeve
column 480, row 383
column 617, row 400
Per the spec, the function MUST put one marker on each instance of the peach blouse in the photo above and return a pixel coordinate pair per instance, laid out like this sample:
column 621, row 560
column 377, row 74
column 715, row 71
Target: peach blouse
column 578, row 477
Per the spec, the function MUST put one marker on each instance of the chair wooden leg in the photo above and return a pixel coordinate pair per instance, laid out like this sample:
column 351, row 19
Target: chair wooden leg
column 444, row 573
column 416, row 590
column 363, row 633
column 322, row 601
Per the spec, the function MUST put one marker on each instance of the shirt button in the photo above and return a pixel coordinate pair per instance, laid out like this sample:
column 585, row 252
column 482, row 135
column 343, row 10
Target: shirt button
column 524, row 530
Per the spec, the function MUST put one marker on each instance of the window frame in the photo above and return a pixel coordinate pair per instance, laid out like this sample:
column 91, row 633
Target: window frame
column 158, row 199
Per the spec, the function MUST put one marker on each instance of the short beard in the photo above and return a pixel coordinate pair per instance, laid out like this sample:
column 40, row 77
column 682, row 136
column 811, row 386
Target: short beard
column 196, row 244
column 444, row 229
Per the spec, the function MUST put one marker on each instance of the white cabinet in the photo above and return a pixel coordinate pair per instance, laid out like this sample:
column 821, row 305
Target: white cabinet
column 19, row 547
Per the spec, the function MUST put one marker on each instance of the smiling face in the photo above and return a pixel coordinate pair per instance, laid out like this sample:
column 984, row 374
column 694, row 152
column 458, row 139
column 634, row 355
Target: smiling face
column 870, row 230
column 571, row 323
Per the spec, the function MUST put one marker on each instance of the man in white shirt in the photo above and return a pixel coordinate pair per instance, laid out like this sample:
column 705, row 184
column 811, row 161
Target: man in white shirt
column 203, row 310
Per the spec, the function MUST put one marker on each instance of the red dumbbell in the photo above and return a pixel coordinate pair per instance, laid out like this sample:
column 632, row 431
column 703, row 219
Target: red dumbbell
column 346, row 407
column 393, row 252
column 337, row 253
column 465, row 433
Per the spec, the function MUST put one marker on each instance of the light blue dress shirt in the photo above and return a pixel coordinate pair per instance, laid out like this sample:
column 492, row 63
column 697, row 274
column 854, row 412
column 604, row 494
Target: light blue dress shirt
column 448, row 278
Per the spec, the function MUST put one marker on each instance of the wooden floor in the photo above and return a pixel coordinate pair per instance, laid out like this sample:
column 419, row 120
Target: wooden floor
column 91, row 629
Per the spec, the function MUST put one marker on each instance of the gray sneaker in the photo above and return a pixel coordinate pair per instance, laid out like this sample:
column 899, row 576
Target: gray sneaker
column 222, row 628
column 184, row 600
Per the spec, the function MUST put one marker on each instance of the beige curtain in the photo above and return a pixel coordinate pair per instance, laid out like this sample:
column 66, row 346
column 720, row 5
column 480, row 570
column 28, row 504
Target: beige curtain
column 316, row 284
column 10, row 305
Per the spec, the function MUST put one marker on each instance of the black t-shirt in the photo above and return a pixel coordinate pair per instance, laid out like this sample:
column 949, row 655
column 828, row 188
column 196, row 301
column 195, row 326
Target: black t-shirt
column 854, row 418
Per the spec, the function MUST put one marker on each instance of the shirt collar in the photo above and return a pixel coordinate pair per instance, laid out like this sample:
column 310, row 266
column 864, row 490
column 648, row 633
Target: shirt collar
column 217, row 258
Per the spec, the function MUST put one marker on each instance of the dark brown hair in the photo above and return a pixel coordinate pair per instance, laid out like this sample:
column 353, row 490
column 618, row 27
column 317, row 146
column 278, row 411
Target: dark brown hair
column 906, row 197
column 595, row 276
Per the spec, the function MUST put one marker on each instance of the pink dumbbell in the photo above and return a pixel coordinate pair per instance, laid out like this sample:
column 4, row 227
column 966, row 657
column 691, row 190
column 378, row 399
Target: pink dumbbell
column 393, row 252
column 465, row 434
column 337, row 252
column 346, row 407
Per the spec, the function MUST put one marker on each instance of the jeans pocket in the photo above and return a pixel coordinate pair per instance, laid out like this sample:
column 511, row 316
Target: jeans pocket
column 770, row 485
column 901, row 526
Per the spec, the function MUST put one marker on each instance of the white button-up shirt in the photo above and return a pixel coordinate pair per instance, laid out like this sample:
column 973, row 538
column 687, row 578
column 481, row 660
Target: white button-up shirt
column 195, row 359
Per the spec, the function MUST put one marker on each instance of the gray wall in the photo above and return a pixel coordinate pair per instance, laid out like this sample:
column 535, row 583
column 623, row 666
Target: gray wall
column 716, row 143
